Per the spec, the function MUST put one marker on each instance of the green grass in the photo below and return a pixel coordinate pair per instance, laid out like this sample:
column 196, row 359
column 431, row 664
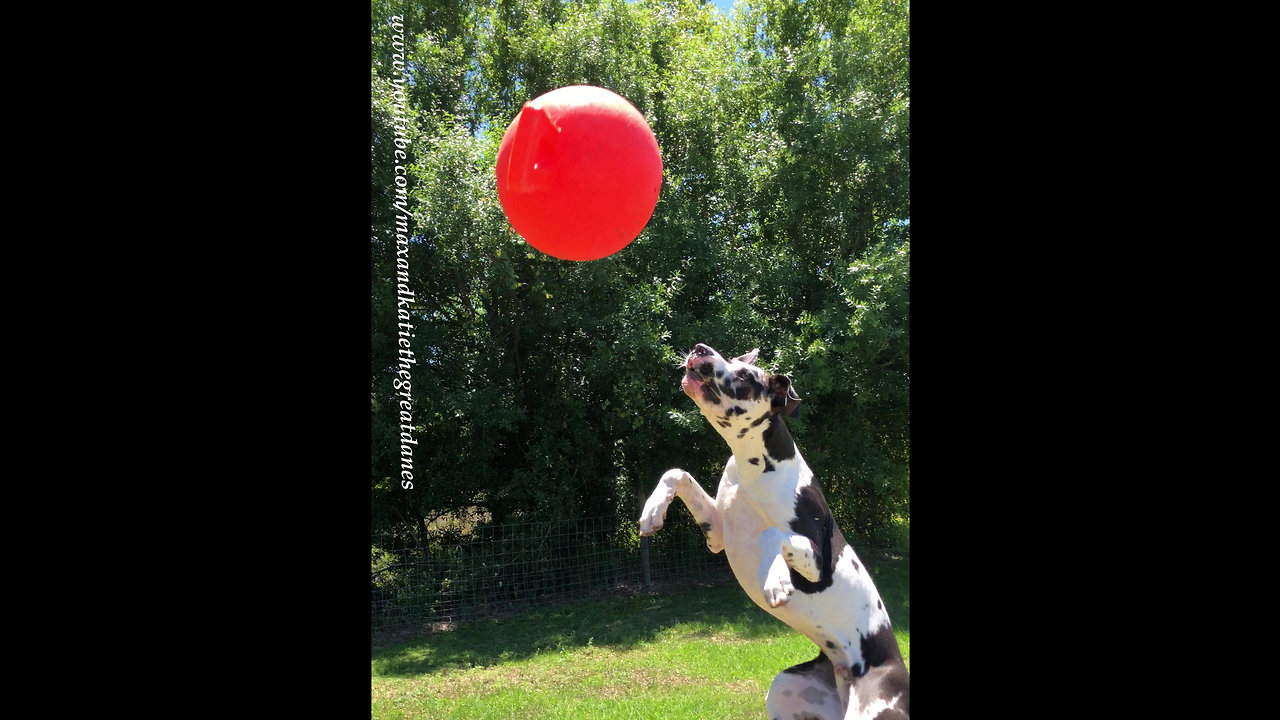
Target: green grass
column 702, row 653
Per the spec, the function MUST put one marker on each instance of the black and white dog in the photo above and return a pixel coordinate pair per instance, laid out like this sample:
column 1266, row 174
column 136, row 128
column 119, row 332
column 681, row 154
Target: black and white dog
column 772, row 521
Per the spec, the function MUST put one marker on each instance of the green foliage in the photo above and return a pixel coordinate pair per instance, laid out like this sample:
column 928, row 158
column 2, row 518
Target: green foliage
column 549, row 389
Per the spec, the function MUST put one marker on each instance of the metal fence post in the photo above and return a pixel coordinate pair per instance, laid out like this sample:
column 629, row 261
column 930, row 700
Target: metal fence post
column 644, row 561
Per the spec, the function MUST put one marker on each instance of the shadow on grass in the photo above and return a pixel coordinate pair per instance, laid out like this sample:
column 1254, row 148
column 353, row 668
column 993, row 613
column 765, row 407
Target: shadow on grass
column 892, row 577
column 618, row 623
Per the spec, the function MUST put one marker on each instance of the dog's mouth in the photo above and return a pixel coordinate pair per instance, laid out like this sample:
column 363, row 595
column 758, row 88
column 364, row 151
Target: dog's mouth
column 699, row 368
column 691, row 382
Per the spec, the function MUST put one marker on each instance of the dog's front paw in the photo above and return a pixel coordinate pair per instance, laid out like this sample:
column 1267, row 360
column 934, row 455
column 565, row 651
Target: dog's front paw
column 777, row 591
column 651, row 518
column 655, row 509
column 777, row 584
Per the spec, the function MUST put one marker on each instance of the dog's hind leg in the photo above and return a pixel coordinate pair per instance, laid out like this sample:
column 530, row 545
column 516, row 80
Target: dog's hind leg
column 806, row 691
column 678, row 483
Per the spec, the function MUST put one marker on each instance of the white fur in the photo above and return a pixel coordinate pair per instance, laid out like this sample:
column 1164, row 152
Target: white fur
column 873, row 708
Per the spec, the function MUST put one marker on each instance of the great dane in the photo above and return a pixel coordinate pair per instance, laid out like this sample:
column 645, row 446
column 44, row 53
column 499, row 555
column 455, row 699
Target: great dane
column 772, row 521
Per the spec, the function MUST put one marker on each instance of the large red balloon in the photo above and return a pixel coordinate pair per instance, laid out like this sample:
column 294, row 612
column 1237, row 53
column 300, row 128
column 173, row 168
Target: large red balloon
column 579, row 172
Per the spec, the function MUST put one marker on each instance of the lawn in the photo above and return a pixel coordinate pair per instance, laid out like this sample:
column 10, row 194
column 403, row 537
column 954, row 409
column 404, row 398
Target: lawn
column 705, row 652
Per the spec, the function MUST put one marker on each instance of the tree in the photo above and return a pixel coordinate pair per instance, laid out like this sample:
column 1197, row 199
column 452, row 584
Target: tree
column 549, row 388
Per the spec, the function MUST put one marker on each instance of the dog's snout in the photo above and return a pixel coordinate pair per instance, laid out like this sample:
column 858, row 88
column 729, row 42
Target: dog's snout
column 701, row 360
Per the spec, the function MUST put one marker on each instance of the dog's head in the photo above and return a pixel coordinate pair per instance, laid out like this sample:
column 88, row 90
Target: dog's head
column 736, row 392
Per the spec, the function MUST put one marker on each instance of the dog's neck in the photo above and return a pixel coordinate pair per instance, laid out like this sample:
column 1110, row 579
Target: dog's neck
column 759, row 445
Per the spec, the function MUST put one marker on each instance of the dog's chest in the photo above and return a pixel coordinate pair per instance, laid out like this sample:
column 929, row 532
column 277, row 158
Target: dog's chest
column 741, row 526
column 745, row 512
column 751, row 501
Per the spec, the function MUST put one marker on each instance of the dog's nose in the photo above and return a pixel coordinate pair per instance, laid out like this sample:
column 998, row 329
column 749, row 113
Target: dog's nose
column 701, row 350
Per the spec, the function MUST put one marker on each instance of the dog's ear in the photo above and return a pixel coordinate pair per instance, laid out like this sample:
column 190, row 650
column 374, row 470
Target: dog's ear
column 783, row 397
column 793, row 403
column 749, row 358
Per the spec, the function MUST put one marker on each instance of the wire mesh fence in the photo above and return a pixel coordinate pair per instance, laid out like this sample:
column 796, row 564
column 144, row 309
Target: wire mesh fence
column 497, row 568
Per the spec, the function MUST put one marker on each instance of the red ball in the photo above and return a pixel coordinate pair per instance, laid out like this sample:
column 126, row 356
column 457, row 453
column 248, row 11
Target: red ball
column 579, row 172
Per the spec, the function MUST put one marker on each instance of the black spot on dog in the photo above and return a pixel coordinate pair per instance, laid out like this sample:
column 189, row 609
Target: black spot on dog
column 777, row 441
column 831, row 645
column 742, row 386
column 749, row 388
column 880, row 647
column 754, row 461
column 724, row 423
column 742, row 433
column 886, row 682
column 735, row 410
column 760, row 419
column 706, row 527
column 819, row 669
column 814, row 521
column 710, row 394
column 768, row 466
column 879, row 604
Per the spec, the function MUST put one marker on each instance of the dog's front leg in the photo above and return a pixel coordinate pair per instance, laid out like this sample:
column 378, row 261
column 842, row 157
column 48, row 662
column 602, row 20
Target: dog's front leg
column 779, row 554
column 678, row 483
